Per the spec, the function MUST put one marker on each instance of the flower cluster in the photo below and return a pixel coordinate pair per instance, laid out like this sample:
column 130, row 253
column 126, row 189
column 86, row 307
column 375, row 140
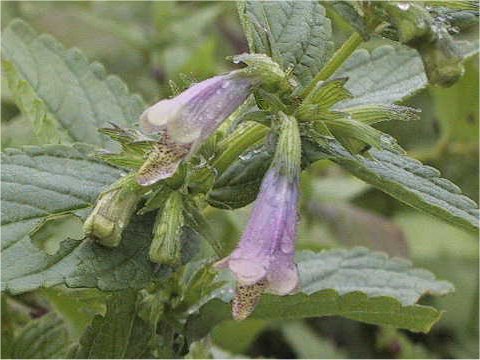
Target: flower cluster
column 264, row 258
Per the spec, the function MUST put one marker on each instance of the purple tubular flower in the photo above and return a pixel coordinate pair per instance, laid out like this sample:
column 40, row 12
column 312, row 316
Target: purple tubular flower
column 197, row 112
column 264, row 257
column 266, row 249
column 188, row 119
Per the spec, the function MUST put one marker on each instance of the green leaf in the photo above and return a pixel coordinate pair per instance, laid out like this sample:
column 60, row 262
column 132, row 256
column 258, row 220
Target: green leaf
column 55, row 85
column 34, row 110
column 77, row 307
column 455, row 4
column 385, row 75
column 294, row 33
column 327, row 93
column 407, row 180
column 83, row 264
column 371, row 273
column 120, row 334
column 357, row 284
column 44, row 338
column 354, row 305
column 39, row 183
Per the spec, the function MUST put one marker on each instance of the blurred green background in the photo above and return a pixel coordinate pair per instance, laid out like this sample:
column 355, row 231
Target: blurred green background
column 151, row 44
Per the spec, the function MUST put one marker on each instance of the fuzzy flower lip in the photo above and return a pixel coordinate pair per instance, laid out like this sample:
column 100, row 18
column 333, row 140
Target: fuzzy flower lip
column 266, row 250
column 196, row 113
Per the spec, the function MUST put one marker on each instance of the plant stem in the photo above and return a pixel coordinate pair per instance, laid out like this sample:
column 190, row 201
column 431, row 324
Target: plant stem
column 335, row 62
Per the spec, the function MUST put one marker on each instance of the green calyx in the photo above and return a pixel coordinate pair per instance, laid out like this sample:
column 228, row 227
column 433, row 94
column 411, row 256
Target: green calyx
column 266, row 71
column 288, row 152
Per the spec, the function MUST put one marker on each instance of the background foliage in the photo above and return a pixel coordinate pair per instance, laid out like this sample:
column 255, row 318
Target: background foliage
column 148, row 45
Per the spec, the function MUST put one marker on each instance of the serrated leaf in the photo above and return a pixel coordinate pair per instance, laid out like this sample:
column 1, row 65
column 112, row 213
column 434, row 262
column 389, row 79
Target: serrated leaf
column 406, row 179
column 354, row 306
column 385, row 75
column 358, row 284
column 41, row 182
column 38, row 182
column 44, row 338
column 371, row 273
column 294, row 33
column 83, row 263
column 120, row 334
column 62, row 85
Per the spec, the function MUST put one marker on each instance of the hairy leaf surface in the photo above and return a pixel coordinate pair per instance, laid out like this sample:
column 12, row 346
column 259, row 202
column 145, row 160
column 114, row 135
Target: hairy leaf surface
column 357, row 284
column 43, row 338
column 407, row 180
column 41, row 182
column 294, row 33
column 384, row 75
column 120, row 334
column 54, row 85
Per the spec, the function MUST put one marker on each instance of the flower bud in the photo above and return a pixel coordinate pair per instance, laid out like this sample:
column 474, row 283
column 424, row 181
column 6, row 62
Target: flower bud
column 113, row 211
